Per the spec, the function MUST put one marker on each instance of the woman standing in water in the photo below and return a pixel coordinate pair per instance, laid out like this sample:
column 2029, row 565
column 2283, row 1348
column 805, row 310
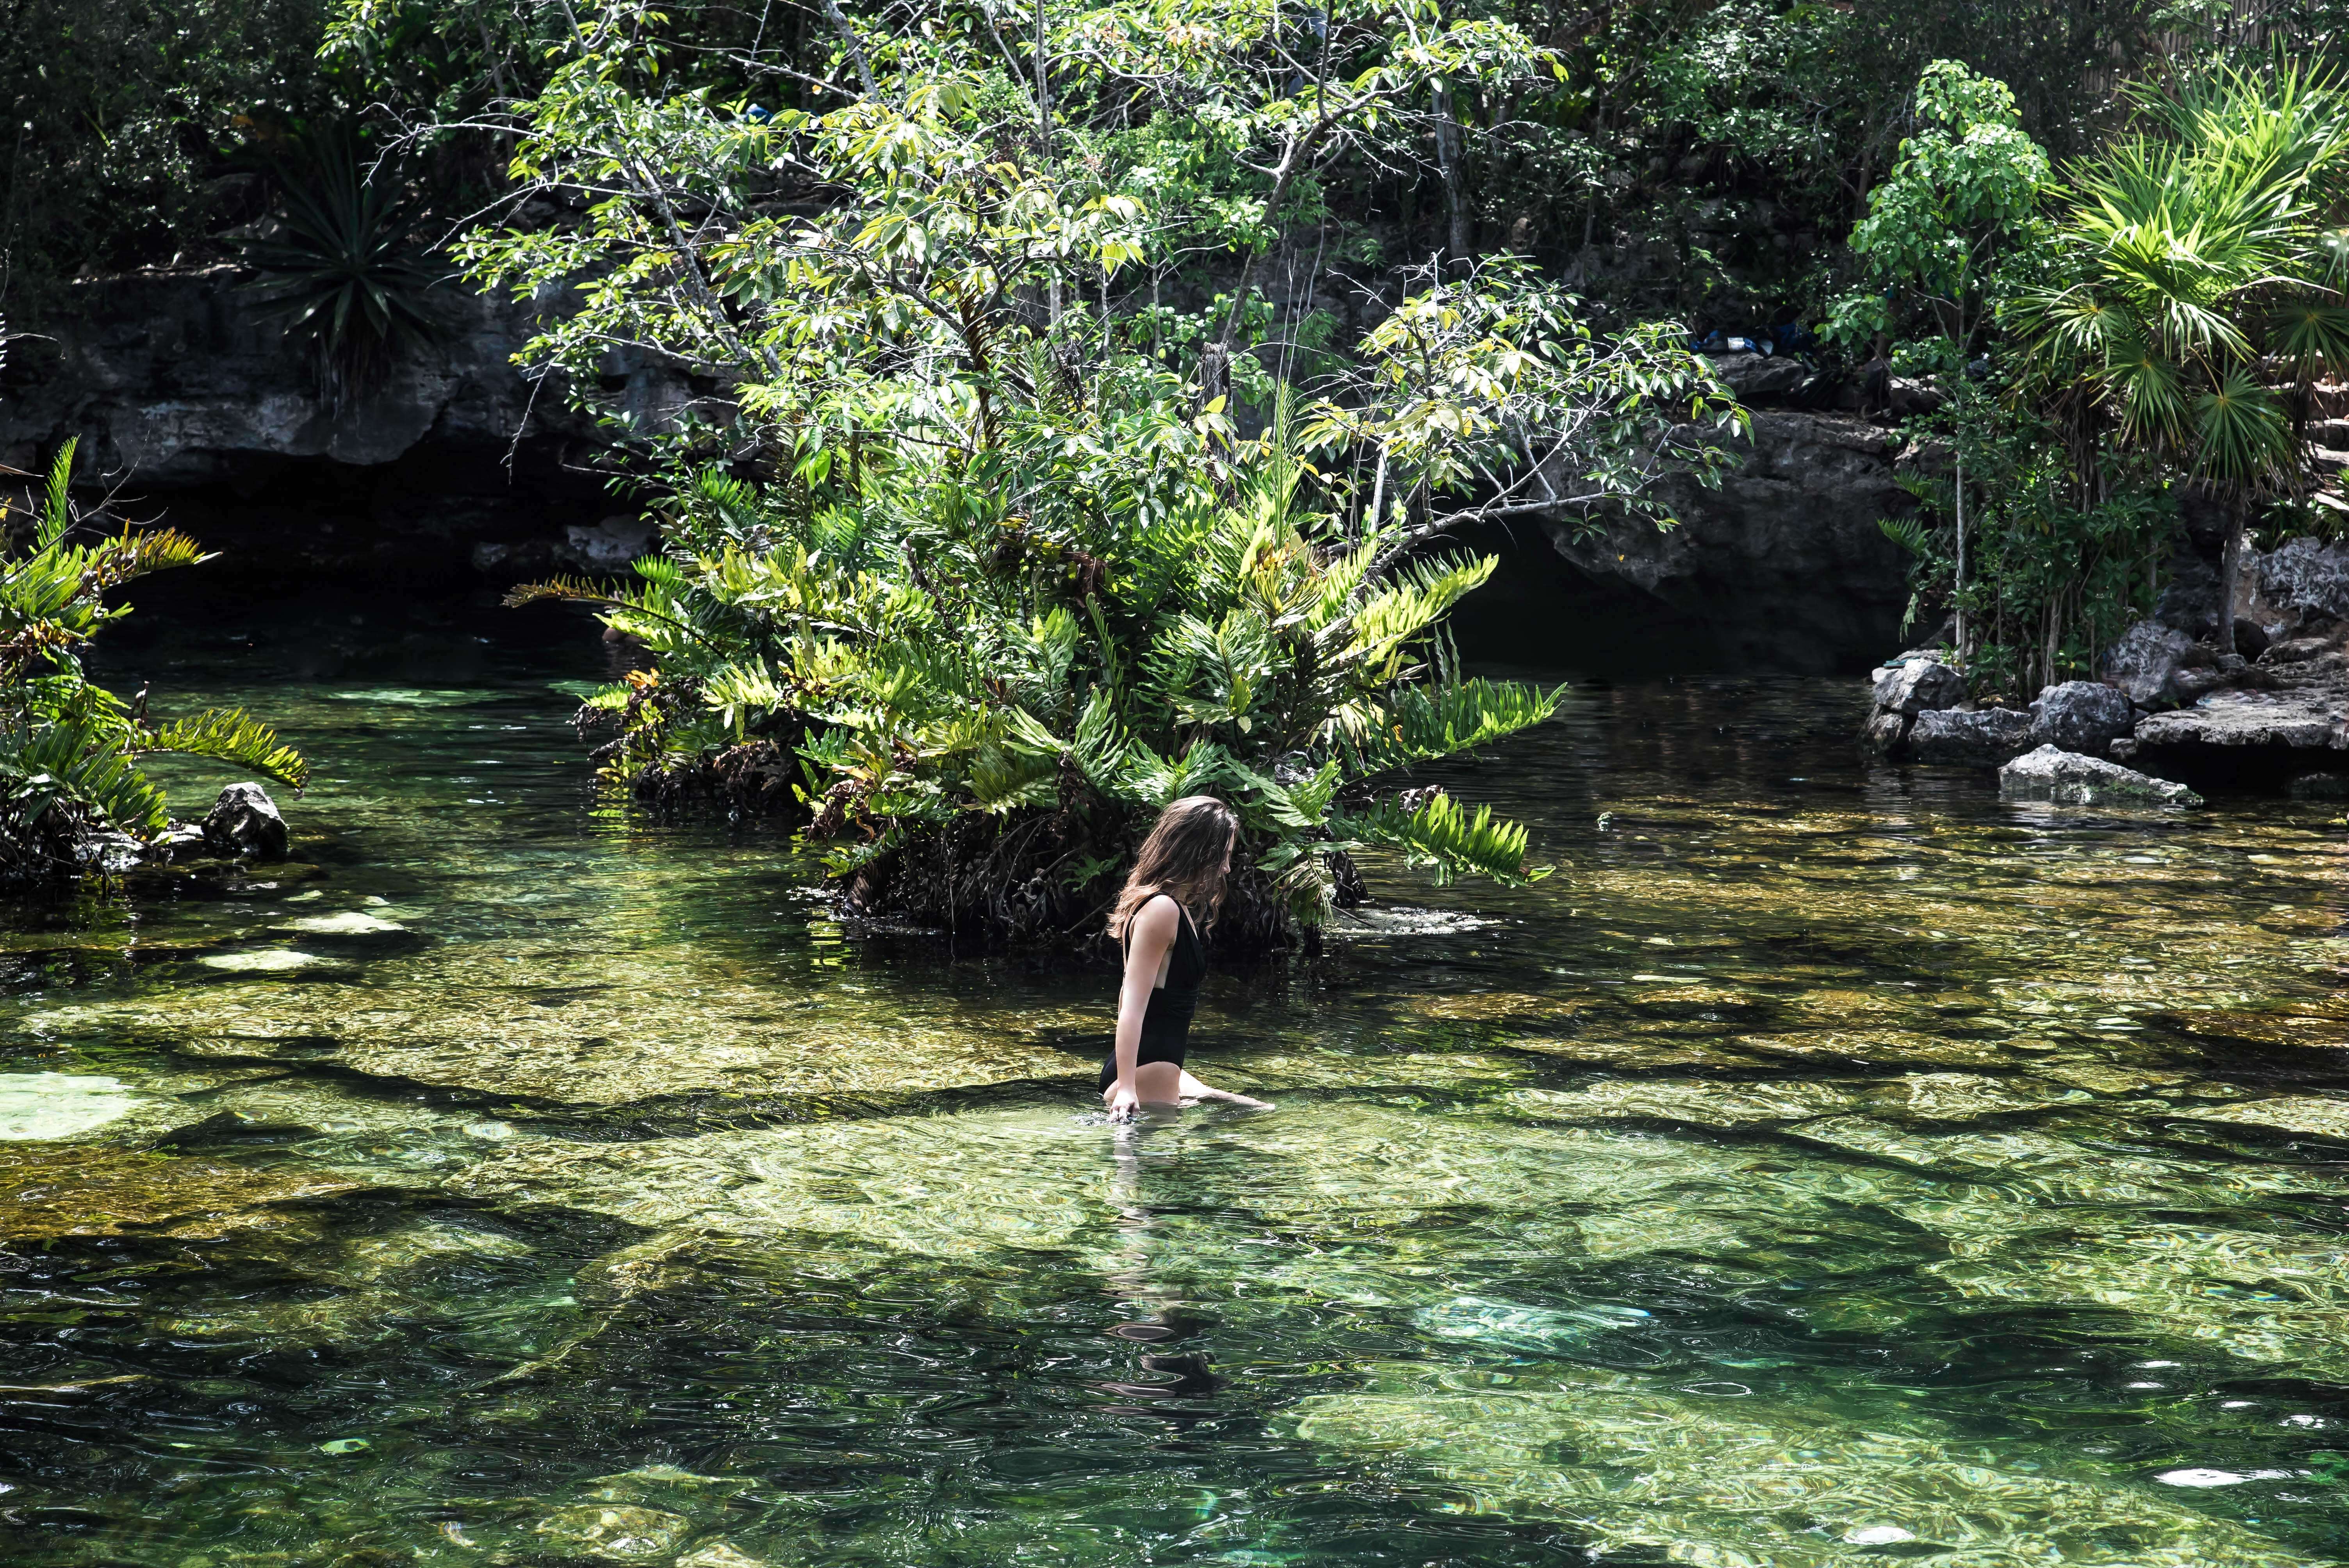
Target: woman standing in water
column 1178, row 881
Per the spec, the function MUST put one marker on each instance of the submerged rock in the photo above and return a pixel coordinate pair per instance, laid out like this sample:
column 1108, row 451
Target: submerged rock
column 267, row 960
column 1984, row 739
column 41, row 1106
column 2069, row 779
column 618, row 1535
column 244, row 822
column 719, row 1554
column 84, row 1189
column 2086, row 716
column 1647, row 1468
column 349, row 923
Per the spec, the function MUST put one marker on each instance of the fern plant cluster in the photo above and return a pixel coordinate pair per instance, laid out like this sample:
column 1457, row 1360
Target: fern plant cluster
column 988, row 706
column 69, row 749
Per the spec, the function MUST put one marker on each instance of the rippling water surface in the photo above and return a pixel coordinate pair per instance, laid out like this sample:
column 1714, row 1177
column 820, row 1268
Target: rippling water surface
column 1830, row 1164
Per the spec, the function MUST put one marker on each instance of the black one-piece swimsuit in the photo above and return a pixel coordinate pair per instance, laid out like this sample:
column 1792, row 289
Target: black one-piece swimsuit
column 1167, row 1023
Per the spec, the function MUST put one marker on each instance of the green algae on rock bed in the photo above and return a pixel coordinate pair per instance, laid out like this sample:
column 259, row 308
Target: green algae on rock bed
column 1712, row 1474
column 1830, row 1165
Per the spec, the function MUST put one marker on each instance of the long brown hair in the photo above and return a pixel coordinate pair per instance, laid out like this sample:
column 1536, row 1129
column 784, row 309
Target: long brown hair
column 1184, row 858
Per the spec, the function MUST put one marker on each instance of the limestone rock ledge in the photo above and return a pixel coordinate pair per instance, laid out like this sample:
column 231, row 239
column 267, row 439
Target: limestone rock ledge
column 2068, row 778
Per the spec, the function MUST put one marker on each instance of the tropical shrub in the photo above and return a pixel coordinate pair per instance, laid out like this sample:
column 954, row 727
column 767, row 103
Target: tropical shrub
column 2056, row 569
column 990, row 710
column 70, row 749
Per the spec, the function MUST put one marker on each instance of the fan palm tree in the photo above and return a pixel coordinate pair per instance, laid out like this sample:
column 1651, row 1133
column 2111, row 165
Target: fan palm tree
column 2203, row 291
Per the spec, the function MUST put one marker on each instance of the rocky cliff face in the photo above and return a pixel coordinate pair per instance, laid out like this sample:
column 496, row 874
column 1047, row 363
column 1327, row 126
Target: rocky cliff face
column 457, row 468
column 187, row 397
column 1783, row 567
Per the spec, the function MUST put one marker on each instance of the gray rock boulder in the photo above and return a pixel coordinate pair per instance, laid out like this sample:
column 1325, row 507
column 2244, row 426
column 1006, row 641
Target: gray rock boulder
column 1756, row 376
column 1885, row 734
column 1980, row 739
column 2307, row 577
column 2068, row 778
column 110, row 852
column 2144, row 664
column 609, row 547
column 2082, row 715
column 1919, row 685
column 2315, row 720
column 244, row 822
column 180, row 839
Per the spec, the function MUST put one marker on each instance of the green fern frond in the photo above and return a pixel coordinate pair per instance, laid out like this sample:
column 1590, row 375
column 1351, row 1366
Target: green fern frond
column 1422, row 723
column 56, row 504
column 226, row 734
column 1443, row 835
column 562, row 589
column 1910, row 533
column 135, row 553
column 80, row 760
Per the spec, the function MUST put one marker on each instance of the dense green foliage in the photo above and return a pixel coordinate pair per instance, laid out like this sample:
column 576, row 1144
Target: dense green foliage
column 2154, row 339
column 1008, row 557
column 2198, row 293
column 1064, row 400
column 1701, row 159
column 70, row 749
column 989, row 708
column 344, row 275
column 2056, row 569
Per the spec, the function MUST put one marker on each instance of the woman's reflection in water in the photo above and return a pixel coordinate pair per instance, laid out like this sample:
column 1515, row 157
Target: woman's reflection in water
column 1176, row 1378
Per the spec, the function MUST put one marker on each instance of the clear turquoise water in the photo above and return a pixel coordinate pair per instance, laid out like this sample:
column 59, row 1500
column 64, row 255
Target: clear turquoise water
column 1829, row 1165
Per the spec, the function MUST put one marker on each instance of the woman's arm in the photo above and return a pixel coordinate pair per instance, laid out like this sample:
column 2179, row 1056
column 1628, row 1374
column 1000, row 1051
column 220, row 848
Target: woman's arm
column 1148, row 936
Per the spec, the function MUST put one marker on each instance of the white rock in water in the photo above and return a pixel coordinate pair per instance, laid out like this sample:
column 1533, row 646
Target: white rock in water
column 349, row 922
column 1876, row 1535
column 58, row 1105
column 264, row 962
column 2068, row 778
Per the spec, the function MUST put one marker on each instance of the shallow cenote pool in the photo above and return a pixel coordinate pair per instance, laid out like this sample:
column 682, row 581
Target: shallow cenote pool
column 1830, row 1165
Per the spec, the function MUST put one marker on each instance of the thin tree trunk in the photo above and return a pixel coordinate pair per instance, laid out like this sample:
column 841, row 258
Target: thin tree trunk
column 1958, row 590
column 1455, row 167
column 1044, row 145
column 856, row 49
column 2230, row 567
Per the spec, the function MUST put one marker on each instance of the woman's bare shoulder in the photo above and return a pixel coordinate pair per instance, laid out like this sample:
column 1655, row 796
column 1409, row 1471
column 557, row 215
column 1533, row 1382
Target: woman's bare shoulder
column 1157, row 916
